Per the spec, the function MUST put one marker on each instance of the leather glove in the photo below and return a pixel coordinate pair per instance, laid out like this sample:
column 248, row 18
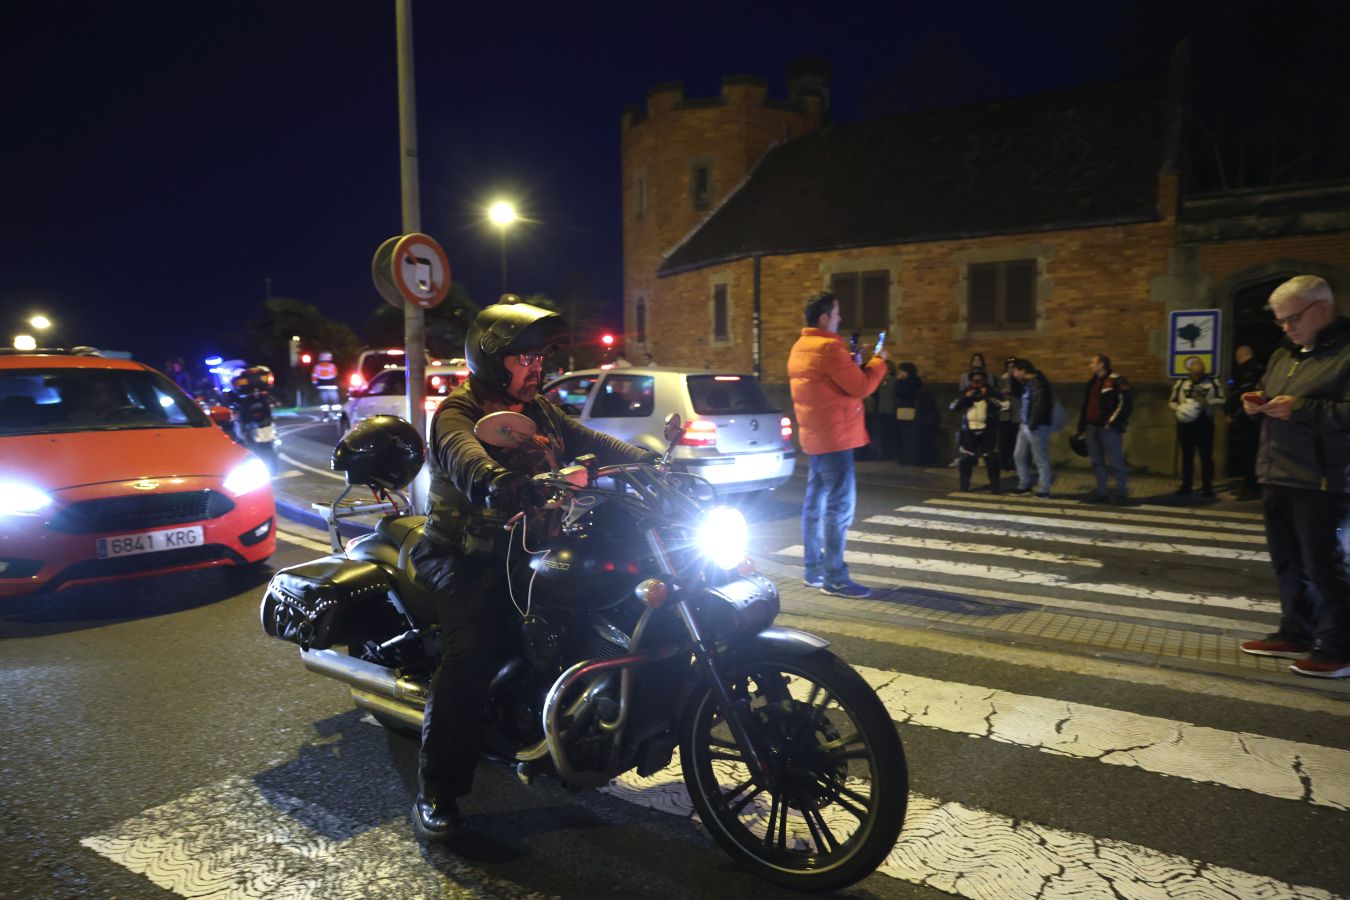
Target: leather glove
column 650, row 458
column 509, row 491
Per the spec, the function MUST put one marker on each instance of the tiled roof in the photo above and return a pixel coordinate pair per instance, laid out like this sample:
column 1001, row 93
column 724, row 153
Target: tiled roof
column 1089, row 156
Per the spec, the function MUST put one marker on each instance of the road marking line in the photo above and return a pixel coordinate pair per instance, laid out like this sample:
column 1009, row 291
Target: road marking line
column 1136, row 507
column 1112, row 610
column 980, row 549
column 1111, row 515
column 307, row 543
column 1274, row 767
column 1202, row 551
column 1103, row 528
column 324, row 472
column 1044, row 579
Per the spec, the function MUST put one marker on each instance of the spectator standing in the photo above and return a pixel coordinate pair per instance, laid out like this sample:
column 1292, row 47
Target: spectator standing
column 1303, row 465
column 827, row 391
column 884, row 399
column 1107, row 404
column 1037, row 402
column 176, row 369
column 1009, row 391
column 976, row 365
column 324, row 377
column 979, row 409
column 1246, row 430
column 1195, row 400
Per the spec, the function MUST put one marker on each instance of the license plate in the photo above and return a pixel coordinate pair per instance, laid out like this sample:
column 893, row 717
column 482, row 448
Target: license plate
column 761, row 465
column 149, row 542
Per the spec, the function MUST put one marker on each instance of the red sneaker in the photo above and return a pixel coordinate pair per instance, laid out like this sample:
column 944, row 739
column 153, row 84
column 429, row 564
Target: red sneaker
column 1275, row 645
column 1319, row 665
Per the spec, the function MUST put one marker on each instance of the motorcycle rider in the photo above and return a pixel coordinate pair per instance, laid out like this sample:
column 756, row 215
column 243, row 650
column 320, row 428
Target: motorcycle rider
column 474, row 490
column 324, row 377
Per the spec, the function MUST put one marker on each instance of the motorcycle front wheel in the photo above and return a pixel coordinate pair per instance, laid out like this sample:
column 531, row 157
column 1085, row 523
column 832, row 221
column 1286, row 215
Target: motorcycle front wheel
column 834, row 800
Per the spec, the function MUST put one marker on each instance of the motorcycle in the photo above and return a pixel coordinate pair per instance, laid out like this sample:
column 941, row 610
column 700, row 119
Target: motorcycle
column 644, row 632
column 251, row 405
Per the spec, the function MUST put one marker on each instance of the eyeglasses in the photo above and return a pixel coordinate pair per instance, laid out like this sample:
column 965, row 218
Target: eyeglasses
column 529, row 359
column 1291, row 321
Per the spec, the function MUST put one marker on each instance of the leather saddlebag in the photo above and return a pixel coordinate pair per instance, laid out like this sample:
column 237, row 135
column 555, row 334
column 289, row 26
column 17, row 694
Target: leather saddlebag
column 312, row 604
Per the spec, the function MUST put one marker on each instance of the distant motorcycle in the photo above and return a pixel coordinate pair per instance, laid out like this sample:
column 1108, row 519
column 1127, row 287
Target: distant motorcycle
column 251, row 406
column 643, row 630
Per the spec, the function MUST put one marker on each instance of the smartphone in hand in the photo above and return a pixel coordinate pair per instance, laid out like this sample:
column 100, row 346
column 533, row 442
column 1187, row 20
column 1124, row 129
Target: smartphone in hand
column 881, row 344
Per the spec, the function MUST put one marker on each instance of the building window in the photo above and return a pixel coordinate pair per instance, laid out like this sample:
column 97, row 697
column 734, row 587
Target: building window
column 864, row 300
column 640, row 320
column 640, row 196
column 1001, row 295
column 701, row 186
column 721, row 329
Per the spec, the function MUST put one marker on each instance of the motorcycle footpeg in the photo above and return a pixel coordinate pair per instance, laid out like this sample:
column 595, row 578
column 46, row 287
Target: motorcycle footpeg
column 525, row 773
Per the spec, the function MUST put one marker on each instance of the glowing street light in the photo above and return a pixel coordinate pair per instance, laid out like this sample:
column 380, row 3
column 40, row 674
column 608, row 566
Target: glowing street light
column 502, row 214
column 40, row 322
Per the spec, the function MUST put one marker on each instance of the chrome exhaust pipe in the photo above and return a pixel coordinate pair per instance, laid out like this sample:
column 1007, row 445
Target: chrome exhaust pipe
column 368, row 680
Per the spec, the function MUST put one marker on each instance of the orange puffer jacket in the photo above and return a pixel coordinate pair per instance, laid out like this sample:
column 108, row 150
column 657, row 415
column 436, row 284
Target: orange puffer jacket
column 827, row 392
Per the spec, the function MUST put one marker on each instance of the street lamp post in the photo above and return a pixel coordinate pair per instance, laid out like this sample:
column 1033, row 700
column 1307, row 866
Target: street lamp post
column 502, row 215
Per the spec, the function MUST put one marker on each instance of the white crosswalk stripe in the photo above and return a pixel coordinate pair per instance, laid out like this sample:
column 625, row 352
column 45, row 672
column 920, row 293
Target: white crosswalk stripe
column 1111, row 515
column 1102, row 528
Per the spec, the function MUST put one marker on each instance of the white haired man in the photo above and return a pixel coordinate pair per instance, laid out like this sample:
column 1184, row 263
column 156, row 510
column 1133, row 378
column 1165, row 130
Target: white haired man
column 1303, row 464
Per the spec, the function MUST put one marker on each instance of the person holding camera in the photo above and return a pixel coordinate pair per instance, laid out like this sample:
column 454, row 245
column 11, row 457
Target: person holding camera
column 979, row 408
column 1195, row 399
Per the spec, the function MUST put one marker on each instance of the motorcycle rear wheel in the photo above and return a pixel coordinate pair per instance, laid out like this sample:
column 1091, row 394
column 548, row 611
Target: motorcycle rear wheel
column 840, row 782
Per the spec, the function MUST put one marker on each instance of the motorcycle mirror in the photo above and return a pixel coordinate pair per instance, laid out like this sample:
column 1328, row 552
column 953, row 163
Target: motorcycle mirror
column 504, row 429
column 674, row 428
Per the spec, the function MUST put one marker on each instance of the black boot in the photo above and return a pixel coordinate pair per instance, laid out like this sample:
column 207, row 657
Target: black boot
column 437, row 820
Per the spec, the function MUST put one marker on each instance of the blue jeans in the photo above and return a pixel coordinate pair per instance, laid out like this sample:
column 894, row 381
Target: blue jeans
column 1105, row 450
column 827, row 512
column 1033, row 443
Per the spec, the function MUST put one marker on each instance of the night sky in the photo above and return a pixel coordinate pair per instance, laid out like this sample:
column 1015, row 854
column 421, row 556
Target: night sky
column 159, row 161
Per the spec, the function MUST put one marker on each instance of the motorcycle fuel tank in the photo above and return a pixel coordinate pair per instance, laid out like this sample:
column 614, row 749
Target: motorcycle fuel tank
column 589, row 572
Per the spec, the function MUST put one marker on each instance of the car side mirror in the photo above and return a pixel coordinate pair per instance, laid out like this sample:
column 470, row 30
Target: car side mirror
column 220, row 414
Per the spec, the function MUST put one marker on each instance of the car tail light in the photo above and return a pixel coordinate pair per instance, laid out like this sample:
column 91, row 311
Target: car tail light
column 437, row 381
column 431, row 403
column 785, row 429
column 700, row 433
column 356, row 380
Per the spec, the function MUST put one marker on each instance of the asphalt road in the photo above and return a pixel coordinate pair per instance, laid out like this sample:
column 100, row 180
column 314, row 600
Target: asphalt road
column 155, row 742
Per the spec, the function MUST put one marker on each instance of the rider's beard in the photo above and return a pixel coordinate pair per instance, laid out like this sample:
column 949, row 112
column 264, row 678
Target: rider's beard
column 528, row 390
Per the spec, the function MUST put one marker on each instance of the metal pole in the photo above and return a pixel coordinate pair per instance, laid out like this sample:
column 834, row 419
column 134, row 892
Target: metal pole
column 414, row 331
column 503, row 231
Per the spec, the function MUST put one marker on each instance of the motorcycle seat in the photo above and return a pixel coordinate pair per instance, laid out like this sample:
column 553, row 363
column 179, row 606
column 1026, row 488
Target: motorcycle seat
column 404, row 532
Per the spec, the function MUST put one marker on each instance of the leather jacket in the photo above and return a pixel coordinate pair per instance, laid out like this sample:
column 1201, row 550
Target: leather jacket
column 1311, row 449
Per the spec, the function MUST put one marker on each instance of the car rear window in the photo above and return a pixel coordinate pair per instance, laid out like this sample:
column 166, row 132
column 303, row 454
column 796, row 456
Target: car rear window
column 56, row 400
column 715, row 395
column 373, row 362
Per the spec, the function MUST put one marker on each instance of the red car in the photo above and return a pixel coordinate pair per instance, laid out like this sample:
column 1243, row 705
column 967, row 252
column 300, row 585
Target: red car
column 109, row 471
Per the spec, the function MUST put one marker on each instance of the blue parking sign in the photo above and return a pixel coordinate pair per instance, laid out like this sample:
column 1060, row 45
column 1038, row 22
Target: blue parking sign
column 1193, row 332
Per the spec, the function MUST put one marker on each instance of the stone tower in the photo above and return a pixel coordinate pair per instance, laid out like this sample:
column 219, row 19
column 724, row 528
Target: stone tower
column 681, row 158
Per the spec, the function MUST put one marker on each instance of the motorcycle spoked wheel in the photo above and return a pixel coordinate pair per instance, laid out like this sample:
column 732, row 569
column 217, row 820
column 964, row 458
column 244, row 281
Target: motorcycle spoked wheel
column 841, row 784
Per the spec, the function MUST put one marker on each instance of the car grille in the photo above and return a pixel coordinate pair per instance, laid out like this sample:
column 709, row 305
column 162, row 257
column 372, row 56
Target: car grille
column 144, row 562
column 144, row 511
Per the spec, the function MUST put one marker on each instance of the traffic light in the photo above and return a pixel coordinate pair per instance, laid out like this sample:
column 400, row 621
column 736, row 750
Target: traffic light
column 607, row 340
column 306, row 359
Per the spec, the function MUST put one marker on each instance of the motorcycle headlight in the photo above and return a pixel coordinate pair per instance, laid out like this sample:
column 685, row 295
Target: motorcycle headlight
column 723, row 537
column 17, row 498
column 247, row 476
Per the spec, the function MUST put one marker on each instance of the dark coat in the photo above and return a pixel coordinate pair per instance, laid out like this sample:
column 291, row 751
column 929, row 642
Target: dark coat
column 1312, row 448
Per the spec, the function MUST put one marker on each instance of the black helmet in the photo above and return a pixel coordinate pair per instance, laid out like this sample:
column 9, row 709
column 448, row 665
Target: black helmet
column 380, row 452
column 1078, row 444
column 506, row 328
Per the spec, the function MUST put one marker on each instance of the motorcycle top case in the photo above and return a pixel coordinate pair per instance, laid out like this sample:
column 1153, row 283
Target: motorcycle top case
column 312, row 603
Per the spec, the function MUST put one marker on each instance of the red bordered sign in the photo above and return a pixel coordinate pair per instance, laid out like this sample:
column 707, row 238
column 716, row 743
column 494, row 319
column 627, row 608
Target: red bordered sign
column 421, row 270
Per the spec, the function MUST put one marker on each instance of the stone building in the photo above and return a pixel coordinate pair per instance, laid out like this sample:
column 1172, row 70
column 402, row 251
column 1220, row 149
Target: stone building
column 1051, row 227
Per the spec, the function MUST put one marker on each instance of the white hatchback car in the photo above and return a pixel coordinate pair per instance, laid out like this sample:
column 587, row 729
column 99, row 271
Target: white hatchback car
column 735, row 438
column 387, row 393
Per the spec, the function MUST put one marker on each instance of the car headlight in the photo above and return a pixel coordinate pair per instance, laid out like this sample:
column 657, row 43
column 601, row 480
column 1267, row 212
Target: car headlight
column 17, row 498
column 723, row 537
column 248, row 476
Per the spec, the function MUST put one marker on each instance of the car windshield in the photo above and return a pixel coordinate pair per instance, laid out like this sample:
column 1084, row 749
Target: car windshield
column 715, row 395
column 35, row 401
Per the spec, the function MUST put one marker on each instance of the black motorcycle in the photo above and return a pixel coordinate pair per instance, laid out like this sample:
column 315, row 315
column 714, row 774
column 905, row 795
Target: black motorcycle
column 643, row 631
column 251, row 405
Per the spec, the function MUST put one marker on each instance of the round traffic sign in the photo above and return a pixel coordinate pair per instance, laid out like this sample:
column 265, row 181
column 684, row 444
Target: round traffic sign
column 421, row 270
column 382, row 273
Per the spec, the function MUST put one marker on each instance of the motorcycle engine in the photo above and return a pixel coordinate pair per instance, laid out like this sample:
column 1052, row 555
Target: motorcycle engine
column 542, row 642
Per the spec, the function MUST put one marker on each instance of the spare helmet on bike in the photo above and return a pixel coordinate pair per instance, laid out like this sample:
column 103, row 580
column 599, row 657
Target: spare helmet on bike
column 506, row 328
column 380, row 452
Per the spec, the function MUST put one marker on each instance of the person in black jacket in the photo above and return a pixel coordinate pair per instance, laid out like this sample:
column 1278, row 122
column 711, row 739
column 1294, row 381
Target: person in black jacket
column 1303, row 464
column 1107, row 404
column 979, row 408
column 1246, row 430
column 474, row 490
column 1037, row 411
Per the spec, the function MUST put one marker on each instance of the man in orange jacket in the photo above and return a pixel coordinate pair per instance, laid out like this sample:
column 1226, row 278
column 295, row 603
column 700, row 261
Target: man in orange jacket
column 827, row 391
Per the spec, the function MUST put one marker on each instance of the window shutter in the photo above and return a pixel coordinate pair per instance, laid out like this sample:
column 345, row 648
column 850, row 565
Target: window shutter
column 845, row 289
column 1019, row 306
column 720, row 312
column 875, row 300
column 641, row 316
column 983, row 290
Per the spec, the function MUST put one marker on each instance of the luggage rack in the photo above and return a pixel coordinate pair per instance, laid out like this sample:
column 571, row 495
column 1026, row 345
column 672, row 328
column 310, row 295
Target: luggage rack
column 385, row 502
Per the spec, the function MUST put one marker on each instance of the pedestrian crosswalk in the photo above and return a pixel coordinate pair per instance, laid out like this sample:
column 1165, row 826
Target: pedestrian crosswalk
column 1027, row 782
